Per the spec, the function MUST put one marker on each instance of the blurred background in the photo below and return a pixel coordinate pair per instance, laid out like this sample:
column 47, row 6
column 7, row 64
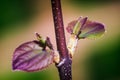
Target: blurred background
column 93, row 60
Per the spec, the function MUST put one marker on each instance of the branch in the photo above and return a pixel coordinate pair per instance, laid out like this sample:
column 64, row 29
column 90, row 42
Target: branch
column 59, row 28
column 64, row 66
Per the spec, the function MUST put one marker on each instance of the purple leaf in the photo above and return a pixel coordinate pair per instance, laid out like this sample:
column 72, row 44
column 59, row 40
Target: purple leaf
column 74, row 27
column 84, row 28
column 91, row 30
column 30, row 57
column 70, row 26
column 48, row 43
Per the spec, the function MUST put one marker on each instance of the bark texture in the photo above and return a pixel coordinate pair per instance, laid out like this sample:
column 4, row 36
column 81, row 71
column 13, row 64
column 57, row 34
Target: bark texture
column 64, row 66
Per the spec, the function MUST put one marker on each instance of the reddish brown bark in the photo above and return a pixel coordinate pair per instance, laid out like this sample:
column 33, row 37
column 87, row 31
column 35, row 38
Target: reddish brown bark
column 64, row 66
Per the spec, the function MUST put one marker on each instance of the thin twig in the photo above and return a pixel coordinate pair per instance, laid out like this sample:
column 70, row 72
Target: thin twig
column 59, row 28
column 64, row 66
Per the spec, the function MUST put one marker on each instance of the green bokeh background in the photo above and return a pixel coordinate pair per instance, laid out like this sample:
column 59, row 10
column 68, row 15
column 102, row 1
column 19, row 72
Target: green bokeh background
column 94, row 59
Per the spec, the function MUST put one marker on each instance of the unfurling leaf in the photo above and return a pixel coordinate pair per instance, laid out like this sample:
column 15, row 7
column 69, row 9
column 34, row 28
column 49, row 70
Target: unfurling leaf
column 91, row 30
column 70, row 26
column 84, row 28
column 74, row 26
column 30, row 56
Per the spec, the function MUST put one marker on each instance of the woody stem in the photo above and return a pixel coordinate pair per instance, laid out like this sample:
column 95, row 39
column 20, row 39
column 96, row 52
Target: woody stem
column 64, row 66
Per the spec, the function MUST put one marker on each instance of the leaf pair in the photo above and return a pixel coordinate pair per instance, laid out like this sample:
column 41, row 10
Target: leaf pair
column 38, row 54
column 84, row 28
column 80, row 29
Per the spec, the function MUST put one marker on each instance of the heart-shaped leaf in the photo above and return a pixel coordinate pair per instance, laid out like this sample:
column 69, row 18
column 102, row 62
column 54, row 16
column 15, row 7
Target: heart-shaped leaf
column 31, row 57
